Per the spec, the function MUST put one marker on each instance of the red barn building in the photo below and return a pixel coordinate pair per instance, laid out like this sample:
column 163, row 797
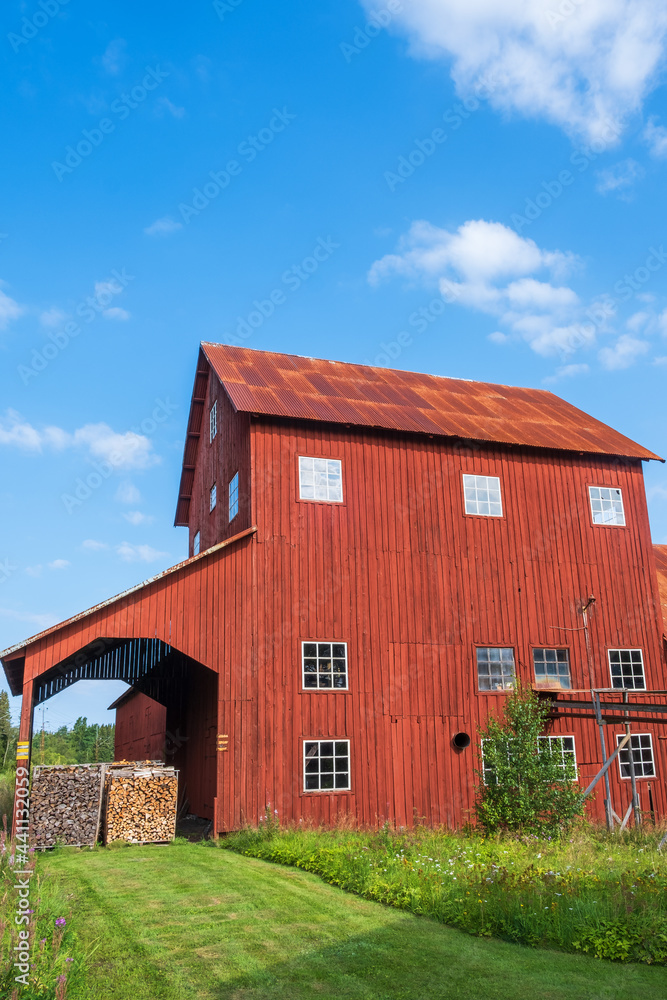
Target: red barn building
column 375, row 557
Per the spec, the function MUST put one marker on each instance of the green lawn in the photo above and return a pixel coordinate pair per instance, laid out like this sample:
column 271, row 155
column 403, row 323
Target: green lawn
column 188, row 921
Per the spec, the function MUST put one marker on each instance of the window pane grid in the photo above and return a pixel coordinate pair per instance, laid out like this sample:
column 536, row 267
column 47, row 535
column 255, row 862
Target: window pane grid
column 563, row 747
column 320, row 479
column 234, row 497
column 213, row 421
column 552, row 666
column 324, row 665
column 213, row 497
column 326, row 765
column 642, row 756
column 606, row 505
column 627, row 668
column 495, row 668
column 482, row 495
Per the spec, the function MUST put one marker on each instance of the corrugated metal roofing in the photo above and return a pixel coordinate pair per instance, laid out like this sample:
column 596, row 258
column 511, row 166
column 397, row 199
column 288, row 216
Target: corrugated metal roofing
column 286, row 385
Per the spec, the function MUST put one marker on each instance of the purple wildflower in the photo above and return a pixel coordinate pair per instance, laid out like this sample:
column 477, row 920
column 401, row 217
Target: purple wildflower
column 60, row 921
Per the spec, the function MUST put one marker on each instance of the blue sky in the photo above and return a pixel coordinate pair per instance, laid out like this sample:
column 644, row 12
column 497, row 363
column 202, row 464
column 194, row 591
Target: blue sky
column 487, row 177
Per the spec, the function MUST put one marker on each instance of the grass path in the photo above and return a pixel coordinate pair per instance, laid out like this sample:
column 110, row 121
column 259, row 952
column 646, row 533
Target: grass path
column 186, row 921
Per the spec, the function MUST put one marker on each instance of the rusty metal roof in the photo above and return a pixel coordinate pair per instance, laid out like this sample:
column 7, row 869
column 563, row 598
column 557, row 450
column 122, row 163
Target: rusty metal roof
column 286, row 385
column 660, row 552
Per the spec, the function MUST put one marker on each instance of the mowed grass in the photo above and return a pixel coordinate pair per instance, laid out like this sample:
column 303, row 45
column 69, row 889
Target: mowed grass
column 188, row 921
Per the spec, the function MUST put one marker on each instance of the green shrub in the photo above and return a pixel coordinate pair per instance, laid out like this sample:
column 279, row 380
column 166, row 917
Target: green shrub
column 526, row 784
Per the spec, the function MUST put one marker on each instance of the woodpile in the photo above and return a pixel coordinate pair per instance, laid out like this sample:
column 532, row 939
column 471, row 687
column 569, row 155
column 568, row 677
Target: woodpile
column 65, row 804
column 140, row 802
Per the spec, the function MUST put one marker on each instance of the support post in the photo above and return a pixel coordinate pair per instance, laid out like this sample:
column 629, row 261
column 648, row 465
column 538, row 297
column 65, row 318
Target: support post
column 633, row 779
column 609, row 812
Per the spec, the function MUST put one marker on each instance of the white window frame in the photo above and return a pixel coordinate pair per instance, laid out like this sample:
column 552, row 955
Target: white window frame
column 564, row 753
column 487, row 769
column 638, row 764
column 319, row 741
column 323, row 658
column 503, row 686
column 213, row 421
column 213, row 498
column 480, row 485
column 598, row 516
column 233, row 496
column 549, row 681
column 633, row 686
column 196, row 543
column 322, row 469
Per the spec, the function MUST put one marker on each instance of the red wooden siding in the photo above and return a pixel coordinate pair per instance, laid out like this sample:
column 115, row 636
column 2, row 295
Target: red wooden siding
column 413, row 584
column 141, row 729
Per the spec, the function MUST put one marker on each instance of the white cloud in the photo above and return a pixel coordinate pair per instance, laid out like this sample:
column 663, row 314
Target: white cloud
column 93, row 546
column 619, row 178
column 136, row 518
column 580, row 70
column 489, row 267
column 59, row 564
column 123, row 451
column 163, row 226
column 139, row 553
column 567, row 371
column 166, row 104
column 128, row 493
column 40, row 621
column 624, row 353
column 52, row 317
column 34, row 571
column 116, row 313
column 9, row 310
column 655, row 137
column 114, row 57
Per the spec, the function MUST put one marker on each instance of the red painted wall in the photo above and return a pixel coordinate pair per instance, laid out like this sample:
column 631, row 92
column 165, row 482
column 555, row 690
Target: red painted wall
column 141, row 727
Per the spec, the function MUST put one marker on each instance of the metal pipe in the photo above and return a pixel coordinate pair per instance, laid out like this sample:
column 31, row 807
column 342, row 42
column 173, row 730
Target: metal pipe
column 607, row 802
column 633, row 779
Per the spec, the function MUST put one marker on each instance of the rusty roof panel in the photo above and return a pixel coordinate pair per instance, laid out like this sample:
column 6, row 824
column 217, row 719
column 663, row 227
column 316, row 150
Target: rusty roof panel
column 287, row 385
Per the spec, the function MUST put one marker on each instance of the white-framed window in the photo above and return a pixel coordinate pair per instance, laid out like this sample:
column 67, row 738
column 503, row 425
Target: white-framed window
column 196, row 543
column 213, row 421
column 563, row 747
column 482, row 495
column 320, row 479
column 212, row 497
column 552, row 667
column 233, row 496
column 326, row 765
column 495, row 668
column 626, row 667
column 324, row 665
column 642, row 756
column 606, row 505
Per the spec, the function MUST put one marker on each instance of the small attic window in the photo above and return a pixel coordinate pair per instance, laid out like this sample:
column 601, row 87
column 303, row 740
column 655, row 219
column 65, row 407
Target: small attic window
column 320, row 479
column 213, row 421
column 213, row 497
column 196, row 544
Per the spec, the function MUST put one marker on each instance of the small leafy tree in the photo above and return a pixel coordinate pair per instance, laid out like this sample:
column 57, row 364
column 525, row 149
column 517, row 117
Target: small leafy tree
column 526, row 783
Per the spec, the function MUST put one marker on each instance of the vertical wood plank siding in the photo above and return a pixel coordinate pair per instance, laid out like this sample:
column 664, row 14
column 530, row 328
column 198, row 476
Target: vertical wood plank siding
column 413, row 584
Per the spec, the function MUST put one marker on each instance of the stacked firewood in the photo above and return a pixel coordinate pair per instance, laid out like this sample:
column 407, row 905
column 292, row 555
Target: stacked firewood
column 65, row 804
column 140, row 802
